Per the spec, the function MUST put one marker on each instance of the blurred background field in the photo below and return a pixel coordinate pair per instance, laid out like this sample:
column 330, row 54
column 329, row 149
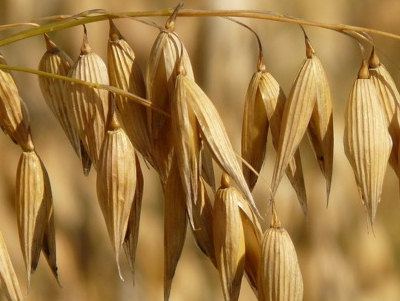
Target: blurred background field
column 340, row 258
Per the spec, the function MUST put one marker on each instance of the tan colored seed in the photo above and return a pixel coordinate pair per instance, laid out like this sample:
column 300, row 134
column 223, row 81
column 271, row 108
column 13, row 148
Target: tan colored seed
column 367, row 142
column 116, row 182
column 279, row 274
column 229, row 240
column 35, row 217
column 89, row 107
column 390, row 102
column 8, row 279
column 14, row 119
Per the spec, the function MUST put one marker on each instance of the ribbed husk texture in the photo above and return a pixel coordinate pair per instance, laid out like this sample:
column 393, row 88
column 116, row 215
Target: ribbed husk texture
column 125, row 73
column 14, row 119
column 35, row 214
column 8, row 279
column 229, row 240
column 88, row 108
column 307, row 108
column 279, row 275
column 116, row 182
column 367, row 142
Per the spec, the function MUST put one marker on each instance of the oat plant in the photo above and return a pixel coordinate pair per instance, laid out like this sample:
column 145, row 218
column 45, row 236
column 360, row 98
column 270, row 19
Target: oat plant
column 118, row 115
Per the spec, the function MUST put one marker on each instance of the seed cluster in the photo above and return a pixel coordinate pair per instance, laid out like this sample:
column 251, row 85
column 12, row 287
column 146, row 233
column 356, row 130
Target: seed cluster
column 180, row 134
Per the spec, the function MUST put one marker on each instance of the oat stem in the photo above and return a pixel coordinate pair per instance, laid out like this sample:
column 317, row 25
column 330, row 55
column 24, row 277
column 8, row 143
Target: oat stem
column 62, row 22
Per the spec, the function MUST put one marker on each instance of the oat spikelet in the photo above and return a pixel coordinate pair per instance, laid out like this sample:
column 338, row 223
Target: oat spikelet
column 14, row 119
column 187, row 143
column 166, row 55
column 296, row 115
column 34, row 207
column 214, row 134
column 132, row 231
column 56, row 61
column 390, row 102
column 279, row 276
column 8, row 279
column 202, row 213
column 89, row 107
column 367, row 142
column 253, row 234
column 116, row 182
column 320, row 128
column 175, row 225
column 229, row 240
column 126, row 74
column 254, row 130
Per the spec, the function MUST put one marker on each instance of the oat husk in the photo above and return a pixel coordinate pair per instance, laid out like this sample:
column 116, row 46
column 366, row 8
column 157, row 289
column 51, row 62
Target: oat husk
column 367, row 142
column 280, row 277
column 116, row 182
column 35, row 216
column 125, row 73
column 88, row 108
column 229, row 239
column 390, row 103
column 14, row 119
column 175, row 225
column 8, row 279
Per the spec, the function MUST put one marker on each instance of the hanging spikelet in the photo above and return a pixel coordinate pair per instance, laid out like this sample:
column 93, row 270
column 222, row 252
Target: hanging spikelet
column 166, row 55
column 14, row 119
column 367, row 142
column 126, row 74
column 214, row 134
column 8, row 279
column 88, row 108
column 390, row 102
column 264, row 106
column 254, row 130
column 56, row 61
column 279, row 275
column 175, row 224
column 132, row 231
column 307, row 108
column 202, row 214
column 34, row 207
column 187, row 143
column 116, row 181
column 229, row 240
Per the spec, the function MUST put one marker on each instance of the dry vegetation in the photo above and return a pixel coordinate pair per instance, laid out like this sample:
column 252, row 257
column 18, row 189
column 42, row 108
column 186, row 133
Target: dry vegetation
column 129, row 132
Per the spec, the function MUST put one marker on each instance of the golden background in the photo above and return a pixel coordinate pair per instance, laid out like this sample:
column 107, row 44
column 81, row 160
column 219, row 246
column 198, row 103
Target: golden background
column 340, row 257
